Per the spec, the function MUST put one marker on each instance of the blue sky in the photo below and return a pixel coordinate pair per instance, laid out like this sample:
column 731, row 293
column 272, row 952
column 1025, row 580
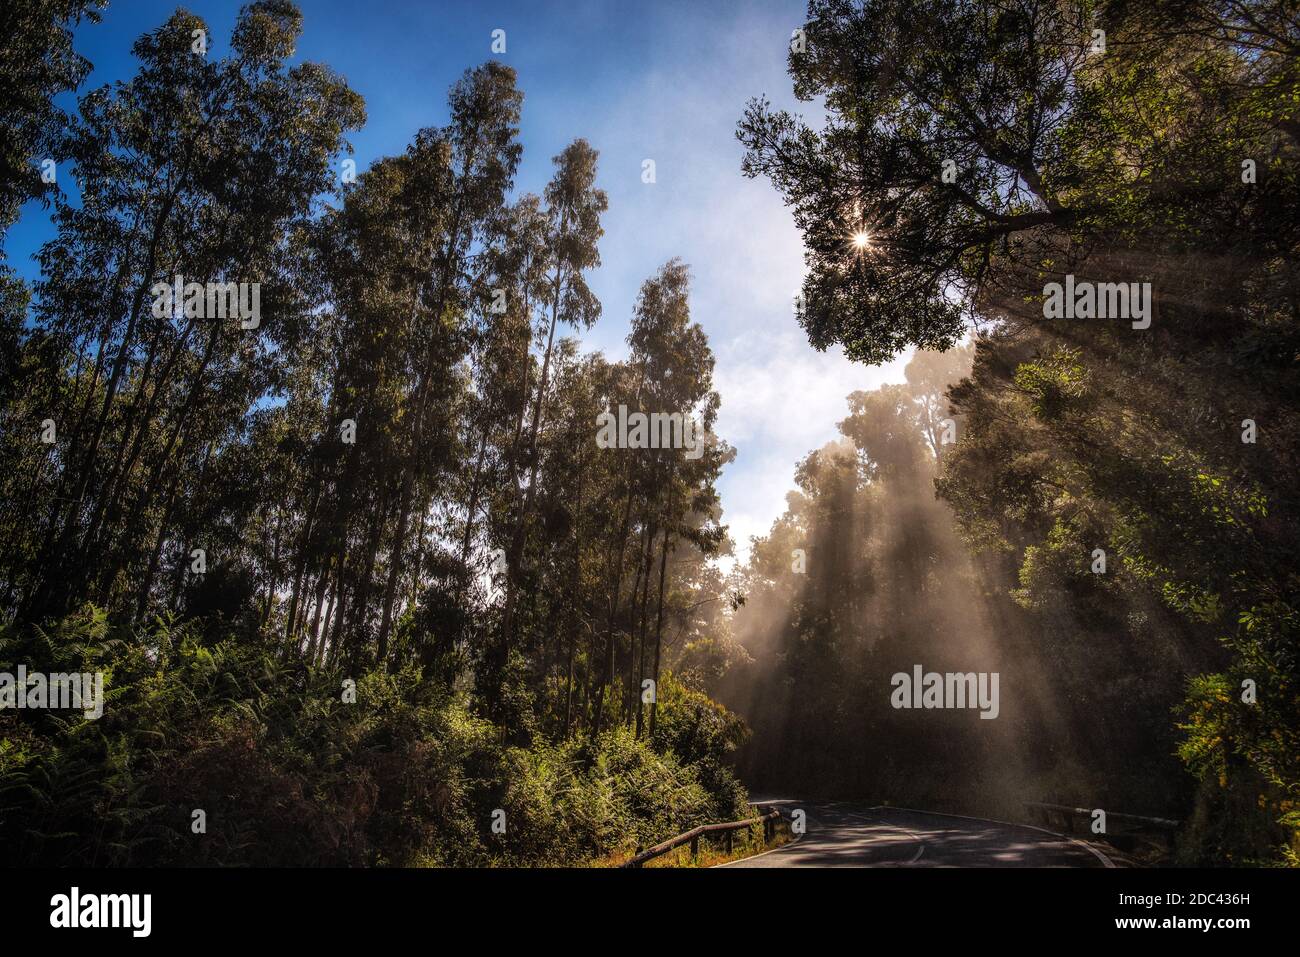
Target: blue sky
column 661, row 81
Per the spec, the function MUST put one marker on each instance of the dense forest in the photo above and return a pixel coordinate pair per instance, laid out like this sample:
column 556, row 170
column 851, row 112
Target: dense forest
column 304, row 458
column 1126, row 490
column 357, row 572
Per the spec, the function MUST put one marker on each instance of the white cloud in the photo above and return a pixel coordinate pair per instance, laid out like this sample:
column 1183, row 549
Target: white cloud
column 777, row 406
column 780, row 398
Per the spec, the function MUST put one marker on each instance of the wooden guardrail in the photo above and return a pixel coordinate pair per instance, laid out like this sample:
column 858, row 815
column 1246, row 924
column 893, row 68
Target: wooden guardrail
column 1161, row 822
column 729, row 828
column 1137, row 829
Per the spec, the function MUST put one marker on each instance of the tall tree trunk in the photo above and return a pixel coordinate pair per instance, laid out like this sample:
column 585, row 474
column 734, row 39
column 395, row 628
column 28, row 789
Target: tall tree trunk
column 659, row 623
column 314, row 633
column 613, row 611
column 304, row 541
column 341, row 604
column 146, row 496
column 361, row 600
column 146, row 585
column 405, row 499
column 467, row 539
column 639, row 655
column 405, row 502
column 521, row 526
column 51, row 595
column 639, row 626
column 325, row 627
column 575, row 582
column 276, row 539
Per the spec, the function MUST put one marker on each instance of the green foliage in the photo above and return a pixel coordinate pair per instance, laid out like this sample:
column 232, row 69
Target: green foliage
column 1171, row 158
column 288, row 773
column 1244, row 753
column 39, row 62
column 1054, row 384
column 406, row 410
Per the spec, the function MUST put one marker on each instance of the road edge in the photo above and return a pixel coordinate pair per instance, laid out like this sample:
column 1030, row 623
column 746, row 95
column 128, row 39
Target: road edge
column 1105, row 861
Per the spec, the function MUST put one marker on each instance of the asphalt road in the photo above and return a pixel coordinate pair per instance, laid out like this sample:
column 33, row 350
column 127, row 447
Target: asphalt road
column 844, row 834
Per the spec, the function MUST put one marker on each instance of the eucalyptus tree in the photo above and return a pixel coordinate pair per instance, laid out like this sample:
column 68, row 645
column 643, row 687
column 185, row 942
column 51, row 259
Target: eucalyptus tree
column 685, row 505
column 669, row 375
column 194, row 167
column 481, row 149
column 38, row 62
column 573, row 209
column 502, row 361
column 376, row 252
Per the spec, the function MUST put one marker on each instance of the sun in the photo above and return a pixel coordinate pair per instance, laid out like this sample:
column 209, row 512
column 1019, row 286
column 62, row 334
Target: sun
column 861, row 240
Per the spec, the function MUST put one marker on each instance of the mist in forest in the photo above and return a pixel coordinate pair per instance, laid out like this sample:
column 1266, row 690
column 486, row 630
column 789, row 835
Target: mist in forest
column 866, row 577
column 381, row 539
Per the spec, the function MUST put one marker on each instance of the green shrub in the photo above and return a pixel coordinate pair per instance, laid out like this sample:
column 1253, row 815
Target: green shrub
column 288, row 773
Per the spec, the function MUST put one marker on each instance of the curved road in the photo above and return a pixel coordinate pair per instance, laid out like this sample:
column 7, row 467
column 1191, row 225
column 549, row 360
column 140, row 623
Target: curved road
column 844, row 834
